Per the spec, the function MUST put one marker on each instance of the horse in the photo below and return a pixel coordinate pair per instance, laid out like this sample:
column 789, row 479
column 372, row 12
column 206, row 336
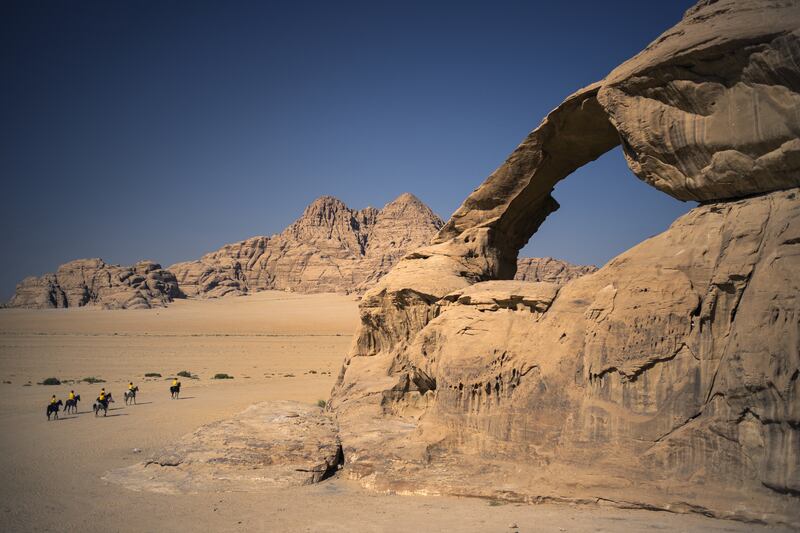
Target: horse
column 175, row 390
column 130, row 395
column 72, row 405
column 53, row 408
column 103, row 406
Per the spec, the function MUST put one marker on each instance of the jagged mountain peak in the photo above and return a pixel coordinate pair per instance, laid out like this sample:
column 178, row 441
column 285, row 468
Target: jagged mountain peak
column 330, row 247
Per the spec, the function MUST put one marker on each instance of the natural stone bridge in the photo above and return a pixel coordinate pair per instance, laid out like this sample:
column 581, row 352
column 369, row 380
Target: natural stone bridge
column 669, row 378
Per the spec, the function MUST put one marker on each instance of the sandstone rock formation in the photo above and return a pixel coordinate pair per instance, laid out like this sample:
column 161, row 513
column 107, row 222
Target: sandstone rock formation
column 330, row 248
column 550, row 270
column 271, row 444
column 93, row 282
column 668, row 379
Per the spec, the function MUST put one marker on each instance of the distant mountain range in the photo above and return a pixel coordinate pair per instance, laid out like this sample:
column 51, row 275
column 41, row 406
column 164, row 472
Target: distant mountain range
column 330, row 248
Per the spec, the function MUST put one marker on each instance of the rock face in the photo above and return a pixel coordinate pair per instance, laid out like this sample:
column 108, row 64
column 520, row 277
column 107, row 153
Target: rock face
column 93, row 282
column 268, row 445
column 330, row 248
column 668, row 379
column 550, row 270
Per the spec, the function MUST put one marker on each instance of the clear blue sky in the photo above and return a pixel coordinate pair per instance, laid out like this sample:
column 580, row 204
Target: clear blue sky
column 162, row 130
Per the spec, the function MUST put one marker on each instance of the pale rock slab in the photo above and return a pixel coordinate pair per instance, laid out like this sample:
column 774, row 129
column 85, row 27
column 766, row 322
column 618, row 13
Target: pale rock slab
column 268, row 445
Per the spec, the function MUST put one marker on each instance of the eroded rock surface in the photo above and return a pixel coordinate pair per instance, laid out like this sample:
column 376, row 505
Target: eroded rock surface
column 330, row 248
column 668, row 379
column 268, row 445
column 550, row 270
column 93, row 282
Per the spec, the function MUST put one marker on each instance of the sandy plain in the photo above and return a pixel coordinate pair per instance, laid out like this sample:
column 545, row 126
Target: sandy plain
column 278, row 346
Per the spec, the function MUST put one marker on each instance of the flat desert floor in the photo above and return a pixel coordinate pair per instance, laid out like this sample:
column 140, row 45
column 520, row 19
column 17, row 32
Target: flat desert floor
column 277, row 346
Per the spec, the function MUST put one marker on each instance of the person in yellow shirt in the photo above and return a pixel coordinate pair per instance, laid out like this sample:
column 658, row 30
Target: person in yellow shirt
column 72, row 402
column 53, row 407
column 174, row 382
column 102, row 397
column 130, row 385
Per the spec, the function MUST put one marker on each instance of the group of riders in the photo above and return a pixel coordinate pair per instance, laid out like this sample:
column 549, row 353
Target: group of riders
column 103, row 398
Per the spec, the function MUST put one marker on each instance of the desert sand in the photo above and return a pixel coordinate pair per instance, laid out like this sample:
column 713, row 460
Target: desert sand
column 270, row 342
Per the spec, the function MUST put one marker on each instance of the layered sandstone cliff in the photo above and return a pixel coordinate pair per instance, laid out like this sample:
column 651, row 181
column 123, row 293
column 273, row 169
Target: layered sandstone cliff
column 668, row 379
column 330, row 248
column 93, row 282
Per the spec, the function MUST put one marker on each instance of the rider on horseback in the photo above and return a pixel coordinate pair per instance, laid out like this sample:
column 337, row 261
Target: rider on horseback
column 53, row 400
column 72, row 395
column 174, row 382
column 130, row 386
column 102, row 398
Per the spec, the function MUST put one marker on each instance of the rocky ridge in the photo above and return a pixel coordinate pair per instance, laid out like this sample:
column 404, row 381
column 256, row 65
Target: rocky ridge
column 330, row 248
column 93, row 282
column 550, row 270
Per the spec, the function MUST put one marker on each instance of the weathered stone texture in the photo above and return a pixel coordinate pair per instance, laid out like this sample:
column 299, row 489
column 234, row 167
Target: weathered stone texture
column 550, row 270
column 330, row 248
column 268, row 445
column 93, row 282
column 668, row 379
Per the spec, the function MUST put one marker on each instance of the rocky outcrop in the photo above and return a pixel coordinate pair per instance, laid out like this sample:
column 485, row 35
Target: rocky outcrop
column 268, row 445
column 330, row 248
column 668, row 379
column 550, row 270
column 93, row 282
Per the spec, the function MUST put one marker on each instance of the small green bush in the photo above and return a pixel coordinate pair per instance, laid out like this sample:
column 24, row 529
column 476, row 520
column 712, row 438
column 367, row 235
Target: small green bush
column 322, row 403
column 185, row 374
column 51, row 381
column 152, row 375
column 93, row 379
column 222, row 376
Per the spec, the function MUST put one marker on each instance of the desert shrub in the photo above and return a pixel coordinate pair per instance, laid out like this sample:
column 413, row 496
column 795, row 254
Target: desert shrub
column 152, row 375
column 93, row 379
column 322, row 403
column 185, row 374
column 51, row 381
column 222, row 376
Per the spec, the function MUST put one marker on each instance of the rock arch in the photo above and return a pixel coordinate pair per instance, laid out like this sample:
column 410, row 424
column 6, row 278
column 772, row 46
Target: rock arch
column 710, row 112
